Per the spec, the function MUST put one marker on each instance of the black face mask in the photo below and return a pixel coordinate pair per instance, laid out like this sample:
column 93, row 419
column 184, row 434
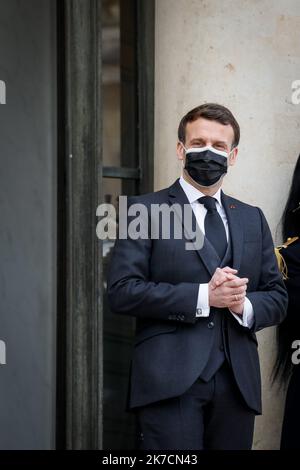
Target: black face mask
column 206, row 165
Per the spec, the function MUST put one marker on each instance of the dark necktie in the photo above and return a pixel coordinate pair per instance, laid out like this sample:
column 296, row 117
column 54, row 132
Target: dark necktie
column 214, row 227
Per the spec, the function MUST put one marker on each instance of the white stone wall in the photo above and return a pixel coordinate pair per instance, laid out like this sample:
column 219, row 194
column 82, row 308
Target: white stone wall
column 244, row 54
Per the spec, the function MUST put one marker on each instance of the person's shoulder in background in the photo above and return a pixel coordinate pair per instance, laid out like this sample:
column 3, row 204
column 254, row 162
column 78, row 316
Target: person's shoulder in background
column 288, row 257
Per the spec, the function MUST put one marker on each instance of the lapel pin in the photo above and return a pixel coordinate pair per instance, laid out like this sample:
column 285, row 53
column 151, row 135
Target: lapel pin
column 232, row 206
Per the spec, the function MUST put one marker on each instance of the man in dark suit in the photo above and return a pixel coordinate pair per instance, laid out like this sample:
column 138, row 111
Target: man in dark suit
column 195, row 377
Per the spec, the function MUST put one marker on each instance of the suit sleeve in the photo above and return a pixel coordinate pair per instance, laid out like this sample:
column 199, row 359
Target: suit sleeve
column 130, row 289
column 270, row 300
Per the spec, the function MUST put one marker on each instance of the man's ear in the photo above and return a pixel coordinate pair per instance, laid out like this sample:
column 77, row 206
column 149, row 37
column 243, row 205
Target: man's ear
column 180, row 151
column 233, row 157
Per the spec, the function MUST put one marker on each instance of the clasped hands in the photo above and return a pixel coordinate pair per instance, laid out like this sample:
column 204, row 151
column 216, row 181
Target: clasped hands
column 226, row 289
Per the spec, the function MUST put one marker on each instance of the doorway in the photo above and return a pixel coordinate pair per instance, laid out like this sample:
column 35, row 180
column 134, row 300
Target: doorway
column 124, row 162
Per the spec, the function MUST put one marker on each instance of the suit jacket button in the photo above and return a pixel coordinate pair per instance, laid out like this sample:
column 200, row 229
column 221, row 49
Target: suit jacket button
column 181, row 317
column 210, row 324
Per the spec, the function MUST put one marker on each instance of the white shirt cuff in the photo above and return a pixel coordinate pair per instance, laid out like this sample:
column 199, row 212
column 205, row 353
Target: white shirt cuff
column 203, row 308
column 247, row 318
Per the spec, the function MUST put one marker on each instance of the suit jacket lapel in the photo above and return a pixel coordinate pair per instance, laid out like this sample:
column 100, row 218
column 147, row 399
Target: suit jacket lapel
column 236, row 229
column 207, row 252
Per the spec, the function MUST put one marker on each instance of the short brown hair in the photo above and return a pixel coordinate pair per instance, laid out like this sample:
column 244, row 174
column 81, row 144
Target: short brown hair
column 212, row 112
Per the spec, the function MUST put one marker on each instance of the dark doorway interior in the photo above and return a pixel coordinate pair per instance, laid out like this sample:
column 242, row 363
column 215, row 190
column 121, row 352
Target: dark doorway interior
column 105, row 149
column 123, row 90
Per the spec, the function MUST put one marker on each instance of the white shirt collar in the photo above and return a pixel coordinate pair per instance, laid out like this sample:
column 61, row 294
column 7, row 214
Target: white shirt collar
column 193, row 193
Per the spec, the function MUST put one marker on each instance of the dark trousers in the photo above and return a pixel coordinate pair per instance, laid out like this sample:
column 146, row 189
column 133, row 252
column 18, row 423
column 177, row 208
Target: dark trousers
column 210, row 415
column 290, row 428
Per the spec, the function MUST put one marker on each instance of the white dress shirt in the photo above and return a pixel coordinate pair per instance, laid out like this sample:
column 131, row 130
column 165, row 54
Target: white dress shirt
column 203, row 308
